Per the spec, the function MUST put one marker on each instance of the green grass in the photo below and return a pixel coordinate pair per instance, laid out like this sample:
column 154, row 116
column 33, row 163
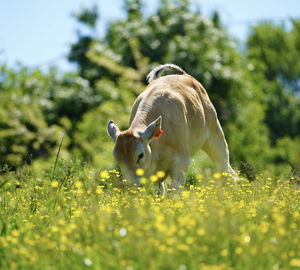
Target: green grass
column 76, row 218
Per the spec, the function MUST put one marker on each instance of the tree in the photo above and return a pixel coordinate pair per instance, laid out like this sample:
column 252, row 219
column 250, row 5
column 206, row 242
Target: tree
column 275, row 53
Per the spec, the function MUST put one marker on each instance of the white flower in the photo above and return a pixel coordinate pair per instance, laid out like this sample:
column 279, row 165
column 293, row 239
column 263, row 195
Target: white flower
column 88, row 262
column 123, row 232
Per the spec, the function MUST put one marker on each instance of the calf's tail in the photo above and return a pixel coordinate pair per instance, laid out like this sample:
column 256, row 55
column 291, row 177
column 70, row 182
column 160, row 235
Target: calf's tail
column 155, row 73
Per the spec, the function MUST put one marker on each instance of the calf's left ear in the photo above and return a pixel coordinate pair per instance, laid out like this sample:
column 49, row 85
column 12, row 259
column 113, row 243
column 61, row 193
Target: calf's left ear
column 113, row 130
column 153, row 130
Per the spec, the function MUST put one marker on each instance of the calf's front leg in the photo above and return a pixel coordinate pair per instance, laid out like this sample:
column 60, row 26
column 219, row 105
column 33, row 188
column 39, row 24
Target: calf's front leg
column 179, row 170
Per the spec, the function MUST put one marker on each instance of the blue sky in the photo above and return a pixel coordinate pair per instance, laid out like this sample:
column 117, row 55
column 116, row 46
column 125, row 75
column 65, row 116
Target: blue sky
column 38, row 33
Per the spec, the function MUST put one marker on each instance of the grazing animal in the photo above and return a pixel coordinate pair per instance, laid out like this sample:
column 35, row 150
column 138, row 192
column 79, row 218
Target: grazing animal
column 170, row 120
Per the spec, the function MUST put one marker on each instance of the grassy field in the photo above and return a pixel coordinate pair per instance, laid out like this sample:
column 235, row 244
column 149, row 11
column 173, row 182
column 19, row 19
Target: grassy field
column 77, row 218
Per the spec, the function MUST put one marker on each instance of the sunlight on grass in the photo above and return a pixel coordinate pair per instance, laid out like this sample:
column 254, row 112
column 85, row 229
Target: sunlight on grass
column 84, row 220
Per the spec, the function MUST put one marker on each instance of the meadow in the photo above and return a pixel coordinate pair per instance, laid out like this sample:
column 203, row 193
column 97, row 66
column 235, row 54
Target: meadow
column 75, row 217
column 68, row 214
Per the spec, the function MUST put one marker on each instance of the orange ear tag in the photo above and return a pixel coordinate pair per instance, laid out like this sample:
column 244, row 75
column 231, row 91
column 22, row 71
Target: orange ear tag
column 159, row 134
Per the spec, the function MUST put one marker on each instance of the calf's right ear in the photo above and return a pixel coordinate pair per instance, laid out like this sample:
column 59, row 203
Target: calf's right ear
column 153, row 130
column 113, row 130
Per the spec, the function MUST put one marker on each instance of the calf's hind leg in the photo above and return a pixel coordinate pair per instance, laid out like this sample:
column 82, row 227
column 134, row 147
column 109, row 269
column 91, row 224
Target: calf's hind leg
column 217, row 149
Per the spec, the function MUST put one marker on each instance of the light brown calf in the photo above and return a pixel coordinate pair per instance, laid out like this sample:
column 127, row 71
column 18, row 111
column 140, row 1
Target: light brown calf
column 180, row 107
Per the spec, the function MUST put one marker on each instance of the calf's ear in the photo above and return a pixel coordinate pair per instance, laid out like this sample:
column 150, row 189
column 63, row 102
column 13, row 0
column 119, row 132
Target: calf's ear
column 153, row 130
column 113, row 130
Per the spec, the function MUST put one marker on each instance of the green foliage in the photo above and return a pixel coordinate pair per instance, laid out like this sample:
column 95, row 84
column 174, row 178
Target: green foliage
column 277, row 49
column 274, row 51
column 91, row 139
column 37, row 110
column 256, row 96
column 133, row 9
column 88, row 16
column 26, row 132
column 287, row 153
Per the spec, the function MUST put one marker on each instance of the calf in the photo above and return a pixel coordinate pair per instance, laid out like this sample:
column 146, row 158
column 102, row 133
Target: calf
column 170, row 120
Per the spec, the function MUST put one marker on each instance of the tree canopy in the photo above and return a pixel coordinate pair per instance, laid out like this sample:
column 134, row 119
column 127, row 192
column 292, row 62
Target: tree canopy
column 255, row 92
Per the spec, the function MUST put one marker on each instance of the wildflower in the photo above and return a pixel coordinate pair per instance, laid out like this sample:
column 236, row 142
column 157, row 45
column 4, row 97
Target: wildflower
column 88, row 262
column 264, row 227
column 123, row 232
column 99, row 190
column 247, row 239
column 61, row 222
column 217, row 175
column 281, row 231
column 252, row 211
column 104, row 174
column 77, row 213
column 78, row 184
column 139, row 172
column 199, row 176
column 54, row 184
column 190, row 240
column 153, row 178
column 201, row 232
column 224, row 252
column 238, row 250
column 54, row 229
column 183, row 247
column 29, row 225
column 15, row 233
column 170, row 241
column 160, row 174
column 143, row 180
column 295, row 262
column 79, row 191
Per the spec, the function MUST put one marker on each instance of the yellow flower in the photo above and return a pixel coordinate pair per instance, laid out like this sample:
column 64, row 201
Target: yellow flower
column 61, row 222
column 217, row 175
column 15, row 233
column 238, row 250
column 153, row 178
column 246, row 238
column 78, row 184
column 199, row 176
column 224, row 252
column 143, row 180
column 54, row 229
column 104, row 174
column 190, row 240
column 183, row 247
column 139, row 172
column 160, row 174
column 99, row 190
column 264, row 226
column 79, row 191
column 54, row 184
column 29, row 225
column 295, row 262
column 201, row 232
column 281, row 231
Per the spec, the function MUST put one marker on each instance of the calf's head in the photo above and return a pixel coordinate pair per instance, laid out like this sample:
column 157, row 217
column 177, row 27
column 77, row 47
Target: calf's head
column 132, row 148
